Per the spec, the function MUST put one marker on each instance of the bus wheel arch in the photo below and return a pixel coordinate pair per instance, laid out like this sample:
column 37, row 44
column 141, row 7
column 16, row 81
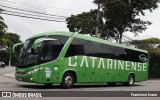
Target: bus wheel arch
column 130, row 80
column 68, row 79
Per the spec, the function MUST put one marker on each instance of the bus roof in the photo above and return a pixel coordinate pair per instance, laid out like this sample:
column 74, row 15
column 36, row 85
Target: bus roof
column 86, row 38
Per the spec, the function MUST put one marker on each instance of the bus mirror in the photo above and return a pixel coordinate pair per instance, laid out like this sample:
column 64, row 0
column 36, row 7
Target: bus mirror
column 17, row 47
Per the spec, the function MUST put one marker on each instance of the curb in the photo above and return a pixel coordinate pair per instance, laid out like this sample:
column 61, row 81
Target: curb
column 152, row 81
column 9, row 75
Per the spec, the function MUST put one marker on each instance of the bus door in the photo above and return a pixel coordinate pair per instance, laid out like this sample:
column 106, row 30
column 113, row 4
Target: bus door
column 46, row 51
column 45, row 63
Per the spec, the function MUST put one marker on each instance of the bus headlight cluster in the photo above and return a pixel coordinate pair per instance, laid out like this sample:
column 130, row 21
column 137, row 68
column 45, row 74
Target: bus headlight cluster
column 35, row 70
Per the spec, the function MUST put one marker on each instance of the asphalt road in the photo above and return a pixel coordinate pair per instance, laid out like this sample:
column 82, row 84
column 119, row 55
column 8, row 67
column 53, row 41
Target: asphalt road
column 10, row 84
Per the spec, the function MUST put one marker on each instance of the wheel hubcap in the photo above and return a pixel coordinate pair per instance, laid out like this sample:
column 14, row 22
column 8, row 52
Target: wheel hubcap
column 68, row 80
column 131, row 81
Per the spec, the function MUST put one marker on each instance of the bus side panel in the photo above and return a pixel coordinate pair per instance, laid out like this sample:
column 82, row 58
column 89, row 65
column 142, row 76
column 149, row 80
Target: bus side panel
column 71, row 67
column 142, row 73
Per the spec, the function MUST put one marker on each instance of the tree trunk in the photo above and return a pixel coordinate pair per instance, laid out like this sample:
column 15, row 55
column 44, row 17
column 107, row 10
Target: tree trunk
column 120, row 38
column 97, row 20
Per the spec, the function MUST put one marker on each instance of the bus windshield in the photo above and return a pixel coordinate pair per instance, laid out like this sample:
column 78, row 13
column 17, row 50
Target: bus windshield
column 49, row 51
column 27, row 57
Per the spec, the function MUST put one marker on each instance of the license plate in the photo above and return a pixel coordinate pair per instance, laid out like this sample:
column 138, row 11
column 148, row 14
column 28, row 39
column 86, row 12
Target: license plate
column 20, row 79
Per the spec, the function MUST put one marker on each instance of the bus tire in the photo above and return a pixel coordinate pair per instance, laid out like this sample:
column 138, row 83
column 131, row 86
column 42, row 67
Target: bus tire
column 130, row 81
column 68, row 81
column 111, row 84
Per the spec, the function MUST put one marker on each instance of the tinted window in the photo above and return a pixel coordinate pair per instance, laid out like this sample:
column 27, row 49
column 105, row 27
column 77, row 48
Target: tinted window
column 52, row 48
column 76, row 48
column 89, row 48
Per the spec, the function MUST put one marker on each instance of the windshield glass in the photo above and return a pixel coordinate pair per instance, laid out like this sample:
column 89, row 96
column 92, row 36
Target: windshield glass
column 28, row 56
column 47, row 52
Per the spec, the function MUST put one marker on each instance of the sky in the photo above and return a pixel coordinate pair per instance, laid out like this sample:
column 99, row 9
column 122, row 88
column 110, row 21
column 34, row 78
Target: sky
column 28, row 27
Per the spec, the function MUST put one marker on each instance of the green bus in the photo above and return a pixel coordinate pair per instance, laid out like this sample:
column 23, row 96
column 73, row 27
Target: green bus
column 66, row 58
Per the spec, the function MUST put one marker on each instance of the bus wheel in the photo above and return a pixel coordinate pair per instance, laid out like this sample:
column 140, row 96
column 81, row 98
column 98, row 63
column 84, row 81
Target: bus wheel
column 130, row 81
column 111, row 84
column 68, row 80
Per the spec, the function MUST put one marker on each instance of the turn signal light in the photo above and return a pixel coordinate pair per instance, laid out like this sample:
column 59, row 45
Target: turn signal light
column 56, row 77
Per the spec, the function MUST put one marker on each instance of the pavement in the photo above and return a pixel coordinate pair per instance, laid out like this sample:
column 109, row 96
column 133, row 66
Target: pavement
column 8, row 71
column 8, row 83
column 10, row 75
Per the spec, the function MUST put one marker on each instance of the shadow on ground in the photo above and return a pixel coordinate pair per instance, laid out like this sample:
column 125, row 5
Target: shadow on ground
column 32, row 86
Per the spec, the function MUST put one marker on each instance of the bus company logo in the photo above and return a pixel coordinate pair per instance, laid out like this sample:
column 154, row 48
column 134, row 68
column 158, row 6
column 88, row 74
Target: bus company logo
column 143, row 58
column 93, row 62
column 6, row 94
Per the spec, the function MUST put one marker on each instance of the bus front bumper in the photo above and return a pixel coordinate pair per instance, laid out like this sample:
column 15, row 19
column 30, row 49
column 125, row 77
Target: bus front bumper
column 27, row 76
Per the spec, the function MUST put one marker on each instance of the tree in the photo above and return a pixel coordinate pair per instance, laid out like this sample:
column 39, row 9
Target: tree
column 117, row 17
column 9, row 39
column 85, row 24
column 4, row 56
column 3, row 28
column 121, row 15
column 12, row 38
column 152, row 45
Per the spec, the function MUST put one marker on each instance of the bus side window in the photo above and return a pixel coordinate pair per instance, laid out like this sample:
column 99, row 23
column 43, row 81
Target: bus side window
column 75, row 49
column 45, row 54
column 50, row 51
